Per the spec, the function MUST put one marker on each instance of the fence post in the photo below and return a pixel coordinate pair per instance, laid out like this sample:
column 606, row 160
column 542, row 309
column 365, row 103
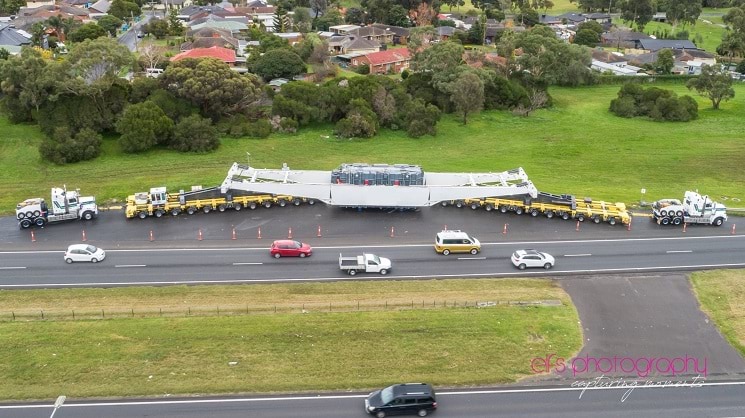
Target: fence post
column 73, row 314
column 102, row 314
column 358, row 305
column 42, row 314
column 218, row 311
column 133, row 312
column 386, row 304
column 189, row 310
column 161, row 311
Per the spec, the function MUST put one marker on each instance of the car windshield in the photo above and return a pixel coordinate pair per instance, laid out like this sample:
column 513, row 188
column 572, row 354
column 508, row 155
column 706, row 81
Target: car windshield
column 386, row 395
column 91, row 249
column 376, row 260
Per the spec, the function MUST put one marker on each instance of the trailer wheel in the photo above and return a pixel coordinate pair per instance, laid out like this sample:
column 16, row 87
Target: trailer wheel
column 207, row 209
column 159, row 213
column 679, row 213
column 191, row 210
column 550, row 214
column 29, row 214
column 40, row 222
column 25, row 223
column 175, row 211
column 565, row 216
column 20, row 215
column 87, row 215
column 718, row 222
column 519, row 211
column 444, row 203
column 459, row 204
column 596, row 219
column 663, row 212
column 352, row 272
column 142, row 215
column 534, row 212
column 581, row 217
column 677, row 221
column 489, row 207
column 221, row 208
column 282, row 203
column 666, row 221
column 311, row 202
column 268, row 204
column 475, row 205
column 36, row 213
column 252, row 205
column 503, row 209
column 237, row 206
column 296, row 201
column 383, row 272
column 612, row 221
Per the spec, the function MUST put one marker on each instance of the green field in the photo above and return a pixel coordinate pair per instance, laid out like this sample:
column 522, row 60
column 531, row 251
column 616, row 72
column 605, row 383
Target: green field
column 316, row 350
column 722, row 297
column 576, row 147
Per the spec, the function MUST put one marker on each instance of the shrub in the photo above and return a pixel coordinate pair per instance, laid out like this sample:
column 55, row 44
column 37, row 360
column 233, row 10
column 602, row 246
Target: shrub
column 195, row 134
column 624, row 107
column 262, row 128
column 62, row 147
column 658, row 104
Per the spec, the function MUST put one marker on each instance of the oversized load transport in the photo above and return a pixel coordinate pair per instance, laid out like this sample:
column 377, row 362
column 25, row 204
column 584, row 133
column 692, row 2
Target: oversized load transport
column 695, row 209
column 65, row 205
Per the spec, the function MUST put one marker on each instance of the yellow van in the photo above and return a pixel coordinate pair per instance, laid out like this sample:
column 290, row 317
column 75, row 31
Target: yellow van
column 448, row 242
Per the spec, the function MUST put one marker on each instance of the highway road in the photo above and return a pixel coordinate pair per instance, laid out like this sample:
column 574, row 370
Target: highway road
column 724, row 399
column 249, row 264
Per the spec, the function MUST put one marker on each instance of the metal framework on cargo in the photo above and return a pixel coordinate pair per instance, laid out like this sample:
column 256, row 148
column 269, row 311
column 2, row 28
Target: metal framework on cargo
column 378, row 185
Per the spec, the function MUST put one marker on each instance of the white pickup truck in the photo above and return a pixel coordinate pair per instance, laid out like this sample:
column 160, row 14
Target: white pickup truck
column 365, row 263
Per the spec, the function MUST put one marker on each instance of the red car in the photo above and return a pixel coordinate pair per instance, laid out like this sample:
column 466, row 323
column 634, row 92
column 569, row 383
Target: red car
column 290, row 248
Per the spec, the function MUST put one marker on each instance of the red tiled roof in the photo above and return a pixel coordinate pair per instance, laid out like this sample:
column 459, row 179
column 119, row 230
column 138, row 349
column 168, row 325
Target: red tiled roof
column 389, row 56
column 223, row 54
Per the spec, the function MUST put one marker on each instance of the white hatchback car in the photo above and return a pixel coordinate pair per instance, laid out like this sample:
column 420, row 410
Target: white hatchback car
column 84, row 252
column 532, row 258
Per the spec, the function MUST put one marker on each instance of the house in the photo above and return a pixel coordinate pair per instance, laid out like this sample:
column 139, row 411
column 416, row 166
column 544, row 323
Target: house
column 660, row 17
column 11, row 37
column 209, row 42
column 622, row 38
column 223, row 54
column 27, row 16
column 360, row 45
column 216, row 22
column 550, row 20
column 189, row 13
column 343, row 29
column 445, row 32
column 653, row 45
column 400, row 35
column 609, row 57
column 599, row 17
column 614, row 69
column 99, row 8
column 385, row 62
column 371, row 33
column 291, row 37
column 572, row 18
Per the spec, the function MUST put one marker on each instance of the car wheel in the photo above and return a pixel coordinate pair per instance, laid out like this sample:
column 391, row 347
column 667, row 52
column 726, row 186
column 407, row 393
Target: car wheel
column 521, row 266
column 380, row 414
column 86, row 215
column 547, row 266
column 94, row 260
column 422, row 413
column 68, row 260
column 352, row 272
column 474, row 251
column 445, row 252
column 384, row 272
column 277, row 255
column 302, row 255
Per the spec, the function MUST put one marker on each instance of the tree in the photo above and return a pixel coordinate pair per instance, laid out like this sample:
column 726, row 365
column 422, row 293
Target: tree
column 360, row 122
column 420, row 38
column 142, row 126
column 683, row 11
column 665, row 61
column 332, row 17
column 110, row 24
column 158, row 28
column 301, row 19
column 454, row 3
column 536, row 100
column 592, row 25
column 318, row 7
column 586, row 37
column 278, row 63
column 63, row 147
column 4, row 54
column 421, row 119
column 11, row 7
column 714, row 83
column 212, row 86
column 397, row 16
column 87, row 31
column 281, row 20
column 355, row 16
column 151, row 55
column 175, row 25
column 639, row 12
column 467, row 94
column 26, row 84
column 195, row 134
column 424, row 15
column 442, row 60
column 124, row 9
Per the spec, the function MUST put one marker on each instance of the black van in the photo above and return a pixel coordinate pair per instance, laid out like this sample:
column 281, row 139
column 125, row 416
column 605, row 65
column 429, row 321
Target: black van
column 402, row 399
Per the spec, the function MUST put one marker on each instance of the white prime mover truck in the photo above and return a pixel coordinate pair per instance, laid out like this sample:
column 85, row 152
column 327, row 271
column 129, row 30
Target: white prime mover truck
column 365, row 263
column 695, row 209
column 65, row 205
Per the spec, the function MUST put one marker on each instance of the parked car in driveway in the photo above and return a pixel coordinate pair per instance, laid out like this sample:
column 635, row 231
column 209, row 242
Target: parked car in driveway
column 532, row 258
column 402, row 399
column 84, row 252
column 290, row 248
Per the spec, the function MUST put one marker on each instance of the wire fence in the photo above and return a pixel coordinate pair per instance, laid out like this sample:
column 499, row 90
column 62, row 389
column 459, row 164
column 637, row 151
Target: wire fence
column 237, row 310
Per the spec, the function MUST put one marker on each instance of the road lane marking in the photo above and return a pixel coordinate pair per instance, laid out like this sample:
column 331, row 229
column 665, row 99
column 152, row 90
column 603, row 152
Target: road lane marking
column 679, row 251
column 359, row 396
column 130, row 265
column 12, row 268
column 247, row 264
column 577, row 255
column 471, row 258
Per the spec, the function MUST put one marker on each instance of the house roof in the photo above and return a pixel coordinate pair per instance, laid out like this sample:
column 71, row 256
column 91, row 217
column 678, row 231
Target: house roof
column 607, row 56
column 625, row 35
column 223, row 54
column 445, row 30
column 230, row 25
column 209, row 32
column 360, row 43
column 230, row 43
column 10, row 36
column 691, row 54
column 549, row 20
column 598, row 16
column 657, row 44
column 194, row 9
column 397, row 30
column 370, row 31
column 572, row 17
column 102, row 6
column 389, row 56
column 255, row 10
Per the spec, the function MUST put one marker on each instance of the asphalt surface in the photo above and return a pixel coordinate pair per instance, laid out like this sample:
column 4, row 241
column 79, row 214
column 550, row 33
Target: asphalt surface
column 717, row 400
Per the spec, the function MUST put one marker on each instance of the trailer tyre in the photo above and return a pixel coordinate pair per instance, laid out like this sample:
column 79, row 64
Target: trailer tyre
column 666, row 221
column 159, row 213
column 679, row 213
column 36, row 213
column 612, row 221
column 237, row 206
column 534, row 212
column 581, row 218
column 252, row 205
column 503, row 209
column 221, row 208
column 383, row 272
column 296, row 201
column 20, row 216
column 443, row 203
column 718, row 221
column 142, row 215
column 489, row 207
column 282, row 203
column 677, row 221
column 175, row 212
column 550, row 214
column 475, row 205
column 191, row 210
column 459, row 204
column 29, row 214
column 596, row 219
column 352, row 272
column 663, row 213
column 268, row 204
column 87, row 215
column 519, row 211
column 40, row 222
column 311, row 202
column 25, row 223
column 565, row 216
column 207, row 209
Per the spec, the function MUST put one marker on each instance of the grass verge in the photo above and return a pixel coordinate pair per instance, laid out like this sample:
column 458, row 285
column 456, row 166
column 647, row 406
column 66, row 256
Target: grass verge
column 281, row 352
column 722, row 297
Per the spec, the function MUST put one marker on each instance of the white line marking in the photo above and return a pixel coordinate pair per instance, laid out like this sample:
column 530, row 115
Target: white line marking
column 359, row 396
column 249, row 264
column 12, row 268
column 471, row 258
column 681, row 251
column 373, row 277
column 130, row 265
column 577, row 255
